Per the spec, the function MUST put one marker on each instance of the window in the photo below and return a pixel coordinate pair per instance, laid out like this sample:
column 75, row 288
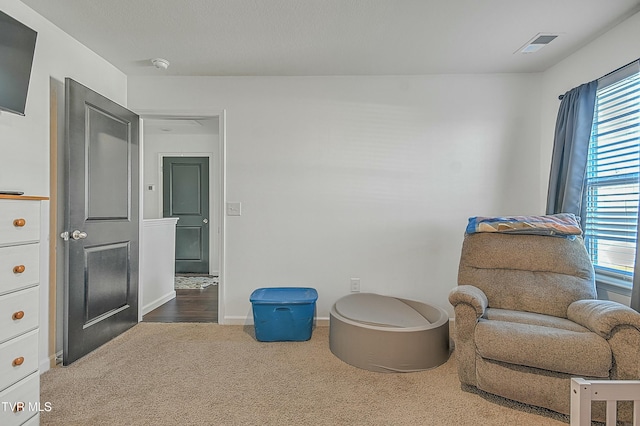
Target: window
column 613, row 177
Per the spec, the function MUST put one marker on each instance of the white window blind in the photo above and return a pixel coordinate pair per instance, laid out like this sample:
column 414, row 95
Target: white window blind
column 613, row 177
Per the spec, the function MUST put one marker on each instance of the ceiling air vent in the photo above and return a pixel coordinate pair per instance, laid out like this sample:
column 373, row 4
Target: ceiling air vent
column 537, row 43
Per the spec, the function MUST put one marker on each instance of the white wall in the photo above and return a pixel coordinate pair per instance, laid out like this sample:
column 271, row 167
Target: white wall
column 157, row 263
column 616, row 48
column 610, row 51
column 24, row 141
column 369, row 177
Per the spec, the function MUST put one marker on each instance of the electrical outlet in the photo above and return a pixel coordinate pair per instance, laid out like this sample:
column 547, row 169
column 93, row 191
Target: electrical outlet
column 355, row 285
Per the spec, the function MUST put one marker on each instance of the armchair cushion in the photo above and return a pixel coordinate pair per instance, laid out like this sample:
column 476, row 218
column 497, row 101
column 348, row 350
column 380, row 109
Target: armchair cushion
column 519, row 272
column 533, row 319
column 602, row 316
column 547, row 348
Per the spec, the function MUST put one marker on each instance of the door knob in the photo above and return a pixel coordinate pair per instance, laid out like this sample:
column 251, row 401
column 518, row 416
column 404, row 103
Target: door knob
column 205, row 221
column 77, row 235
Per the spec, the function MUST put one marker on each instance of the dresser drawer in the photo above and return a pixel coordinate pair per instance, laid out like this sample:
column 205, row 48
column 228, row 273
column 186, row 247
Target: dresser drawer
column 19, row 221
column 35, row 420
column 18, row 313
column 20, row 402
column 18, row 358
column 19, row 267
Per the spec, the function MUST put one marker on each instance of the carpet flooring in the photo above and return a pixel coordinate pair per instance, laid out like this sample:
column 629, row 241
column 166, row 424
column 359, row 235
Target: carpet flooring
column 208, row 374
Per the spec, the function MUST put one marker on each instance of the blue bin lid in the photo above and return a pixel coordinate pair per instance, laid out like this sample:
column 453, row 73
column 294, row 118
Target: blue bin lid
column 279, row 295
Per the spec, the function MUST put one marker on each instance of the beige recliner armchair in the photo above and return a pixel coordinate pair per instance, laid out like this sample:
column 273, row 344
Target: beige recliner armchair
column 526, row 321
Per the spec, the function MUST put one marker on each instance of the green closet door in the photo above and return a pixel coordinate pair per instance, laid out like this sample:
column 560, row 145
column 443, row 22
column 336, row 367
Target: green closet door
column 186, row 196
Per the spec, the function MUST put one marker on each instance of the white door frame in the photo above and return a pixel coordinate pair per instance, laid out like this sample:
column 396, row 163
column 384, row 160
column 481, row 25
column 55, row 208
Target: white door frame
column 220, row 195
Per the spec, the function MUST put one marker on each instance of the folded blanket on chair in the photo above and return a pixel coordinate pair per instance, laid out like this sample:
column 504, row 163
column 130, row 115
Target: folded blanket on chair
column 561, row 225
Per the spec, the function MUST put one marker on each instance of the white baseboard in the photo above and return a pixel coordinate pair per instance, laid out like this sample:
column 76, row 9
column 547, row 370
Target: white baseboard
column 46, row 363
column 158, row 302
column 239, row 320
column 322, row 322
column 230, row 320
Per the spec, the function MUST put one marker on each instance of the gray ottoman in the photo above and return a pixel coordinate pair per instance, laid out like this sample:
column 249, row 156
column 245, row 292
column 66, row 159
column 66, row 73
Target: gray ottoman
column 388, row 334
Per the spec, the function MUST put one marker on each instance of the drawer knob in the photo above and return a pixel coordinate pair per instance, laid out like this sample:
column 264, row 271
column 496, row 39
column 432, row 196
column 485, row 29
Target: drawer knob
column 18, row 269
column 18, row 407
column 18, row 361
column 18, row 315
column 19, row 223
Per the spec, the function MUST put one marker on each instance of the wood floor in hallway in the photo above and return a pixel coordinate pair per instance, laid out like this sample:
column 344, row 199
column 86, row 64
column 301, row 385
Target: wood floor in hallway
column 188, row 306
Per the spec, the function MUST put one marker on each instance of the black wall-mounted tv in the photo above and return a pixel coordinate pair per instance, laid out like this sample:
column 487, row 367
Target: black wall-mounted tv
column 17, row 46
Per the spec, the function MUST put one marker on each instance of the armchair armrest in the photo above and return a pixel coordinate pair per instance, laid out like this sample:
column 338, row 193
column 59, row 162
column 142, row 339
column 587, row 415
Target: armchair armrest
column 469, row 303
column 619, row 325
column 603, row 316
column 470, row 295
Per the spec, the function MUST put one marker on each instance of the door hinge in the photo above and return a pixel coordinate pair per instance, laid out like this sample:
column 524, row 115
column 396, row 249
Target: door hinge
column 65, row 235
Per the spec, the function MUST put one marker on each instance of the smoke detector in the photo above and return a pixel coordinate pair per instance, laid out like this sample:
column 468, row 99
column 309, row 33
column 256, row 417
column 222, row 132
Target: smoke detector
column 536, row 43
column 161, row 64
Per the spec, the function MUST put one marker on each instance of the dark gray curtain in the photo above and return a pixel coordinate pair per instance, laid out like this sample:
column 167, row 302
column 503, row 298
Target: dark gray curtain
column 570, row 150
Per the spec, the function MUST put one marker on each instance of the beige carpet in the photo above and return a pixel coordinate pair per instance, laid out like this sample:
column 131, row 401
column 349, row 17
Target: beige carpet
column 208, row 374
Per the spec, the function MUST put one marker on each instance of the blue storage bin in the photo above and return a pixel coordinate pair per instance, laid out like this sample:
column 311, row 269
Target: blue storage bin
column 283, row 313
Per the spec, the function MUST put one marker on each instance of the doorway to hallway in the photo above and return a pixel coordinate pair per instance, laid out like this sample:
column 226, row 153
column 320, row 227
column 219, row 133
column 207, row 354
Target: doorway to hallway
column 183, row 180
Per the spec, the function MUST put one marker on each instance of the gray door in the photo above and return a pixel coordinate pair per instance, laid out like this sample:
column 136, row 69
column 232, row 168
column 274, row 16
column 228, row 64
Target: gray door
column 102, row 220
column 185, row 192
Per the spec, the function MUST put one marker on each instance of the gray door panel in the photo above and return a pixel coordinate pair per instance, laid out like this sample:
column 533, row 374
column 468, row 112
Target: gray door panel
column 186, row 196
column 102, row 205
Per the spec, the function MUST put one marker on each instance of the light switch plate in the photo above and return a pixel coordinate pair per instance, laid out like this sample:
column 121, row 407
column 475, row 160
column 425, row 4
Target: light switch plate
column 234, row 208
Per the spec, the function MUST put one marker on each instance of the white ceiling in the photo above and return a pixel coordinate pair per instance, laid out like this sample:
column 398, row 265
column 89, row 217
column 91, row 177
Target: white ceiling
column 331, row 37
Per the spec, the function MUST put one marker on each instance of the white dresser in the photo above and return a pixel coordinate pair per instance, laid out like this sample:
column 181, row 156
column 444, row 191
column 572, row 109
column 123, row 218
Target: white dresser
column 19, row 310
